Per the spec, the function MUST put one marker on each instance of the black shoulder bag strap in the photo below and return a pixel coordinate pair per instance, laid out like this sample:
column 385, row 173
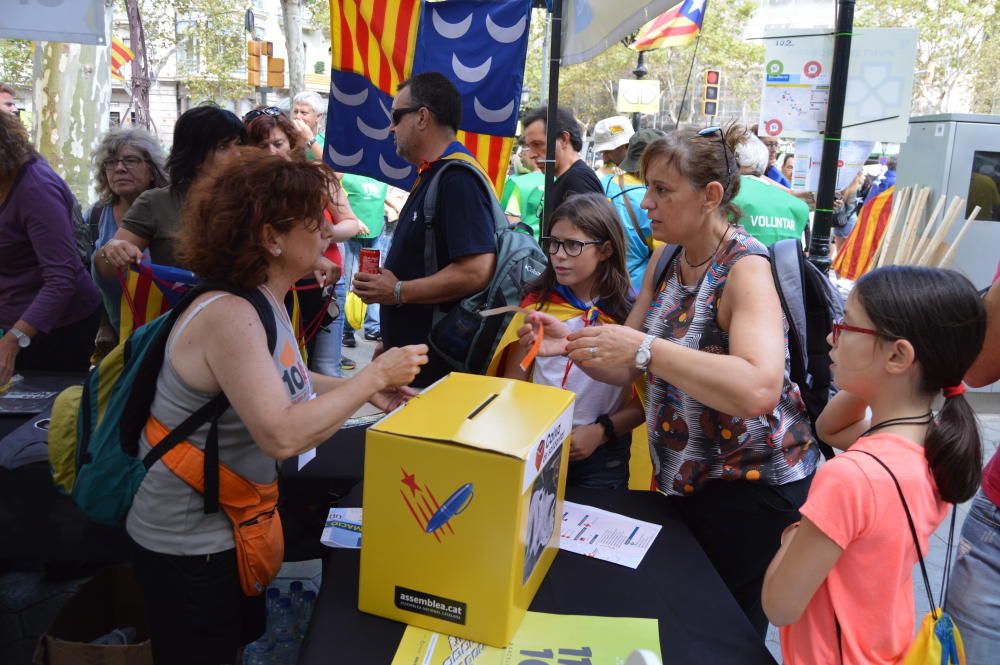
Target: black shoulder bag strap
column 212, row 410
column 916, row 544
column 670, row 252
column 430, row 210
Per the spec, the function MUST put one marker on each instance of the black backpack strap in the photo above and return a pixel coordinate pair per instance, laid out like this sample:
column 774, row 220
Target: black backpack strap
column 789, row 281
column 670, row 252
column 913, row 532
column 430, row 210
column 210, row 412
column 94, row 222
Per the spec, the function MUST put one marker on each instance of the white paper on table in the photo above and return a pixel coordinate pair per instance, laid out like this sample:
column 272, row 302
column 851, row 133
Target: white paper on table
column 605, row 535
column 306, row 457
column 343, row 528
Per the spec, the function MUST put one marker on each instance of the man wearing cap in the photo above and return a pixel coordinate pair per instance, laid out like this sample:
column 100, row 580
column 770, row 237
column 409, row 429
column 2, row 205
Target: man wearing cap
column 611, row 137
column 573, row 176
column 625, row 191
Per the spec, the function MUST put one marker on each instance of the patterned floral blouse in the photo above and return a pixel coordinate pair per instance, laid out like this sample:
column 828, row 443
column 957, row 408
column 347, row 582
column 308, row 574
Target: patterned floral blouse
column 693, row 443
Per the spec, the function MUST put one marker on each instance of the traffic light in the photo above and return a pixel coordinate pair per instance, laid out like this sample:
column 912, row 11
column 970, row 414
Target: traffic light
column 710, row 94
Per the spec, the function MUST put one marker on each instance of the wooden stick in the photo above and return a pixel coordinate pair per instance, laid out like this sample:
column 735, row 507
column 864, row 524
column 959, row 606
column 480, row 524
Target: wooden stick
column 949, row 220
column 899, row 203
column 916, row 211
column 949, row 255
column 926, row 235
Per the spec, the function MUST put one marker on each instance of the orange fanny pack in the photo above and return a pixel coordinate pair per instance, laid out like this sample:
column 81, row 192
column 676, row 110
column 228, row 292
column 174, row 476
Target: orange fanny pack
column 250, row 506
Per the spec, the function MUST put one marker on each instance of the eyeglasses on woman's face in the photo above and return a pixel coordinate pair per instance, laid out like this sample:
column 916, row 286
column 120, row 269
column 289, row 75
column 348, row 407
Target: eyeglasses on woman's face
column 839, row 327
column 271, row 111
column 131, row 163
column 572, row 247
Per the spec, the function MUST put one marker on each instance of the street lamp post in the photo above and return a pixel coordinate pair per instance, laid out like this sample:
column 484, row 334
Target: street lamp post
column 639, row 72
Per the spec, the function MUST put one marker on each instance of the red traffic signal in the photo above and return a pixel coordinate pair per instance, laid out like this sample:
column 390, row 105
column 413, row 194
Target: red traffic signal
column 712, row 77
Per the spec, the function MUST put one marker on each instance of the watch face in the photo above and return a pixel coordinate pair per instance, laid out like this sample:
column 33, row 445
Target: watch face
column 642, row 357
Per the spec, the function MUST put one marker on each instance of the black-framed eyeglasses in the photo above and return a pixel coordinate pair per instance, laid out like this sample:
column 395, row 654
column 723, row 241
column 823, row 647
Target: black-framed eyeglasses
column 572, row 247
column 272, row 111
column 400, row 113
column 130, row 162
column 708, row 131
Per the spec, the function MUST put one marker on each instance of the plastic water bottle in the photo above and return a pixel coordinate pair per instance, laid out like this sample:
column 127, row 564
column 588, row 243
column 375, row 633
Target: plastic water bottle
column 305, row 612
column 281, row 618
column 295, row 593
column 271, row 600
column 260, row 652
column 286, row 647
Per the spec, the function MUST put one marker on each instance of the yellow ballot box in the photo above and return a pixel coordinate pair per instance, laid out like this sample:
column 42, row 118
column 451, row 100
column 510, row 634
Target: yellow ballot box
column 462, row 498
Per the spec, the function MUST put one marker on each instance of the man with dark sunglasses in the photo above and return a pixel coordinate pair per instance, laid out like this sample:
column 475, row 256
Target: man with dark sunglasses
column 425, row 117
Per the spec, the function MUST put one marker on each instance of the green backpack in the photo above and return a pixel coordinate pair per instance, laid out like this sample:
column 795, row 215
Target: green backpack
column 94, row 432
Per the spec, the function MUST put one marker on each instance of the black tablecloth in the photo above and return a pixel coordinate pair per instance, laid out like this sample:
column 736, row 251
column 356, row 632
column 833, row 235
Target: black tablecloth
column 698, row 618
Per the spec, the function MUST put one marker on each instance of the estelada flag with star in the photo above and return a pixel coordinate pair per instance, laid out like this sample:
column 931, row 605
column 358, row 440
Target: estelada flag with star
column 678, row 26
column 479, row 45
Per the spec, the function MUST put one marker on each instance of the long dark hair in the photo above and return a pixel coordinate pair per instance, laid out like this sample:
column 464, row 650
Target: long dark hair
column 198, row 132
column 940, row 313
column 594, row 215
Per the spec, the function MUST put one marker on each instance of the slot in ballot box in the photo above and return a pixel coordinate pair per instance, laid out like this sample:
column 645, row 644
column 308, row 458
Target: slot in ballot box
column 462, row 494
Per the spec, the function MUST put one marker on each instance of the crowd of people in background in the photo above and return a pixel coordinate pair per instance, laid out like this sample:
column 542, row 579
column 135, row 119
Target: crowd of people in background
column 658, row 282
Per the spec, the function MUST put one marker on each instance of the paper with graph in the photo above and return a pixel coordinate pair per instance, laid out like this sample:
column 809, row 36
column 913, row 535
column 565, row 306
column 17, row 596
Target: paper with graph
column 604, row 535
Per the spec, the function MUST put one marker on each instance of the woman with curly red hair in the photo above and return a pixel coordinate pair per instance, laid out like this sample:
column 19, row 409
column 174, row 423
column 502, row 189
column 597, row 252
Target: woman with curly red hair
column 256, row 225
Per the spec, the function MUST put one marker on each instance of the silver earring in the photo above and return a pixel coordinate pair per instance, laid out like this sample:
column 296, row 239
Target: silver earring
column 276, row 251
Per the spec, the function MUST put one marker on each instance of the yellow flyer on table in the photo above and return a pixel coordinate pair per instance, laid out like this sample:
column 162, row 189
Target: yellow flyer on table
column 541, row 639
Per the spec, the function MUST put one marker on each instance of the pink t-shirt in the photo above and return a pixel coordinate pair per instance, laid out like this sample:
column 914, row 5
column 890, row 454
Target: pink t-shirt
column 855, row 503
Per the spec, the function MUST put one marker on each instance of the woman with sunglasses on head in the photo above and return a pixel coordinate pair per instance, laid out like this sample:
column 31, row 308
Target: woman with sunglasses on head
column 127, row 162
column 731, row 442
column 842, row 583
column 270, row 129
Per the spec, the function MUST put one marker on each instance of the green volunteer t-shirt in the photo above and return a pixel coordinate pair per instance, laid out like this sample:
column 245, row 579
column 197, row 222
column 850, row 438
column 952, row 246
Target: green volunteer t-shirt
column 367, row 199
column 770, row 213
column 525, row 199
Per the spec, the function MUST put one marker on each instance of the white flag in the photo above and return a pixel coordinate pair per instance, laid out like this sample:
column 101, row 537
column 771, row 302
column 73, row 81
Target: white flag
column 591, row 27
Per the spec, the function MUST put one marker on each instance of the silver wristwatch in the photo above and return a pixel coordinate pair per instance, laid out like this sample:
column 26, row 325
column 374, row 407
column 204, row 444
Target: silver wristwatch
column 23, row 341
column 644, row 353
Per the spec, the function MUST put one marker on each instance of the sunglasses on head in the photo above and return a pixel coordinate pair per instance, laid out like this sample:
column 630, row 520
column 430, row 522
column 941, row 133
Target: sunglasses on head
column 272, row 111
column 708, row 131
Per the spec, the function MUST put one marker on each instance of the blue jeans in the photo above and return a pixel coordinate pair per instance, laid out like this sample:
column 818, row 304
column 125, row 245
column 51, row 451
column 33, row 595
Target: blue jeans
column 606, row 468
column 325, row 358
column 351, row 262
column 974, row 589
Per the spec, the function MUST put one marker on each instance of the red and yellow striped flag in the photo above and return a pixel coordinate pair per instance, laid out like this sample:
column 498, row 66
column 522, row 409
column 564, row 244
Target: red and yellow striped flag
column 856, row 256
column 479, row 45
column 120, row 55
column 375, row 39
column 676, row 27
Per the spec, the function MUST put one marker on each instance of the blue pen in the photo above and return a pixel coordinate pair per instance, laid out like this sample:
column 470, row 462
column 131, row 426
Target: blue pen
column 453, row 505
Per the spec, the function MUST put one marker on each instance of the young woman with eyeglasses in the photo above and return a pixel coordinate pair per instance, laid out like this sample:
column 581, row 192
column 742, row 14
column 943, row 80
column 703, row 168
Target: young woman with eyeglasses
column 586, row 284
column 842, row 583
column 731, row 441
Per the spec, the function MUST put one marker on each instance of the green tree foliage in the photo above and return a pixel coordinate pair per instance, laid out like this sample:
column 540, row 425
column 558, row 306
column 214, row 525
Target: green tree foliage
column 591, row 88
column 15, row 62
column 208, row 41
column 958, row 47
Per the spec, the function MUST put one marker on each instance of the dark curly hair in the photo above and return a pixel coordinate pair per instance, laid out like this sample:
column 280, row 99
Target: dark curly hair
column 15, row 147
column 220, row 234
